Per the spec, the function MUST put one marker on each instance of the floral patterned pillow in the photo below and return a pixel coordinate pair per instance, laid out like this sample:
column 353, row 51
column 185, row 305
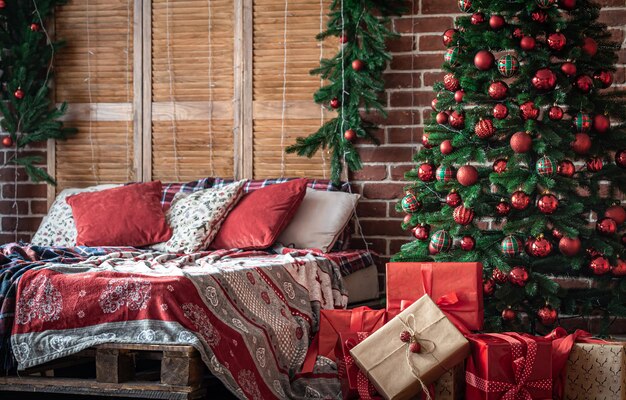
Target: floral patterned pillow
column 195, row 218
column 58, row 227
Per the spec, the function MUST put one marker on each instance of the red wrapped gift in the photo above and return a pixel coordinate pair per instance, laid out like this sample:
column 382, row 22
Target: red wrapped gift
column 354, row 383
column 509, row 366
column 456, row 288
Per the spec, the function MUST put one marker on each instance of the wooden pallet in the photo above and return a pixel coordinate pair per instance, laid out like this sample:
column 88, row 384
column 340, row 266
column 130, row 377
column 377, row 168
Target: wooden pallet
column 124, row 370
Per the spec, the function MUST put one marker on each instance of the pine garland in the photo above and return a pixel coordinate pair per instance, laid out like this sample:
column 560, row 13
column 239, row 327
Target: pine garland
column 28, row 113
column 355, row 76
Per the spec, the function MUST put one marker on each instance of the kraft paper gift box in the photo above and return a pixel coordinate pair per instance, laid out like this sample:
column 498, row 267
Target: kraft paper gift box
column 457, row 288
column 393, row 369
column 596, row 371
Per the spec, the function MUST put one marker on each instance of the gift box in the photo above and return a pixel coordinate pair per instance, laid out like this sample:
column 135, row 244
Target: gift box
column 354, row 384
column 390, row 357
column 509, row 366
column 457, row 288
column 596, row 371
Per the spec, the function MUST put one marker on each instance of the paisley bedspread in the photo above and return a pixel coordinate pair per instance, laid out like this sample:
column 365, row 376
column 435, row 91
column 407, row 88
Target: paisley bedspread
column 250, row 314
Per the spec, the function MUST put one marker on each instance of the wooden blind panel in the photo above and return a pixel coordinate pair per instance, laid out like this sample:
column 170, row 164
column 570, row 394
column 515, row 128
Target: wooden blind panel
column 301, row 116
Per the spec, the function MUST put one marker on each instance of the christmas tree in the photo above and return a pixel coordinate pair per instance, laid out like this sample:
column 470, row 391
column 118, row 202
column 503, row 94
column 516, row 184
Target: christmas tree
column 523, row 162
column 28, row 114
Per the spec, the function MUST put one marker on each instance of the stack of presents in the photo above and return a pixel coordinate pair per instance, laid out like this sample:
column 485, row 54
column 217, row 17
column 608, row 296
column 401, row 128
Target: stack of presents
column 425, row 345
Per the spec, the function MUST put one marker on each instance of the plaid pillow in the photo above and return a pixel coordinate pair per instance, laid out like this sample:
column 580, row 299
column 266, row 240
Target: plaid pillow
column 171, row 189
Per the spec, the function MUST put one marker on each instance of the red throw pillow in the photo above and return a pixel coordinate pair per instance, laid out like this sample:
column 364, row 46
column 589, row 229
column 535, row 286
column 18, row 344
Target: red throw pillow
column 261, row 216
column 125, row 216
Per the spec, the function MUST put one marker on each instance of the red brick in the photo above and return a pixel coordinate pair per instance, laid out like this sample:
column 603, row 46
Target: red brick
column 430, row 78
column 7, row 207
column 376, row 244
column 417, row 61
column 370, row 173
column 439, row 7
column 385, row 154
column 405, row 135
column 39, row 206
column 372, row 209
column 23, row 224
column 410, row 99
column 10, row 237
column 402, row 80
column 24, row 190
column 431, row 43
column 396, row 117
column 613, row 17
column 385, row 191
column 397, row 172
column 382, row 227
column 401, row 44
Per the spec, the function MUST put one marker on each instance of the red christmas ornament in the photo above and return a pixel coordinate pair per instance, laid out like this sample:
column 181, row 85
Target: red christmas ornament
column 528, row 245
column 484, row 129
column 620, row 268
column 520, row 200
column 358, row 65
column 569, row 68
column 453, row 199
column 567, row 4
column 508, row 314
column 343, row 39
column 442, row 118
column 422, row 232
column 500, row 111
column 425, row 141
column 499, row 166
column 594, row 164
column 620, row 158
column 581, row 144
column 19, row 94
column 489, row 287
column 458, row 96
column 451, row 83
column 584, row 83
column 604, row 78
column 555, row 113
column 566, row 168
column 539, row 16
column 547, row 315
column 521, row 142
column 405, row 336
column 518, row 33
column 448, row 37
column 477, row 18
column 541, row 247
column 529, row 111
column 426, row 172
column 457, row 120
column 548, row 203
column 569, row 246
column 467, row 175
column 498, row 90
column 34, row 27
column 557, row 41
column 544, row 79
column 590, row 46
column 350, row 135
column 499, row 276
column 467, row 243
column 616, row 213
column 527, row 43
column 503, row 208
column 496, row 22
column 599, row 265
column 601, row 123
column 557, row 234
column 2, row 4
column 7, row 141
column 606, row 226
column 334, row 103
column 433, row 104
column 484, row 60
column 446, row 147
column 463, row 215
column 518, row 276
column 415, row 347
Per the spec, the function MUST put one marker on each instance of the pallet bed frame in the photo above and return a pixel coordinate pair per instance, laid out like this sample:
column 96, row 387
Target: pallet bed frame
column 126, row 370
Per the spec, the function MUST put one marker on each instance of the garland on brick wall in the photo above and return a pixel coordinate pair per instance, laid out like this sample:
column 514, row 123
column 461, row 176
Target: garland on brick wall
column 28, row 114
column 355, row 76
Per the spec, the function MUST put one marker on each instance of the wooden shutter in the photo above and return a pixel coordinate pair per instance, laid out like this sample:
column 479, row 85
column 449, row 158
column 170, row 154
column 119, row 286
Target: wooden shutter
column 94, row 74
column 271, row 132
column 191, row 92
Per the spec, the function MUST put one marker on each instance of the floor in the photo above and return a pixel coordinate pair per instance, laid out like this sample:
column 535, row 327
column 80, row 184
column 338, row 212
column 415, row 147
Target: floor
column 213, row 395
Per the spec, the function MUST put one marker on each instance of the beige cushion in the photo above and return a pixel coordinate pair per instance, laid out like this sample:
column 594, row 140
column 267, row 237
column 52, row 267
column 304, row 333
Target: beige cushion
column 320, row 219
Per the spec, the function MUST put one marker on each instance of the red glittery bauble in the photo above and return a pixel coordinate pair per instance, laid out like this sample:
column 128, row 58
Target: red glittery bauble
column 453, row 199
column 458, row 96
column 467, row 243
column 415, row 347
column 34, row 27
column 426, row 172
column 544, row 79
column 594, row 164
column 496, row 22
column 521, row 142
column 541, row 247
column 451, row 83
column 433, row 104
column 567, row 4
column 616, row 213
column 334, row 103
column 448, row 37
column 499, row 276
column 528, row 245
column 555, row 113
column 500, row 111
column 520, row 200
column 7, row 141
column 529, row 111
column 489, row 286
column 581, row 143
column 599, row 265
column 539, row 16
column 606, row 226
column 518, row 276
column 358, row 65
column 343, row 39
column 457, row 120
column 498, row 90
column 425, row 141
column 569, row 246
column 601, row 123
column 422, row 232
column 620, row 158
column 569, row 68
column 463, row 215
column 499, row 166
column 19, row 94
column 548, row 203
column 484, row 60
column 467, row 175
column 446, row 147
column 484, row 129
column 350, row 135
column 442, row 118
column 503, row 208
column 557, row 41
column 508, row 314
column 547, row 315
column 604, row 78
column 620, row 268
column 590, row 46
column 584, row 83
column 566, row 168
column 527, row 43
column 477, row 18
